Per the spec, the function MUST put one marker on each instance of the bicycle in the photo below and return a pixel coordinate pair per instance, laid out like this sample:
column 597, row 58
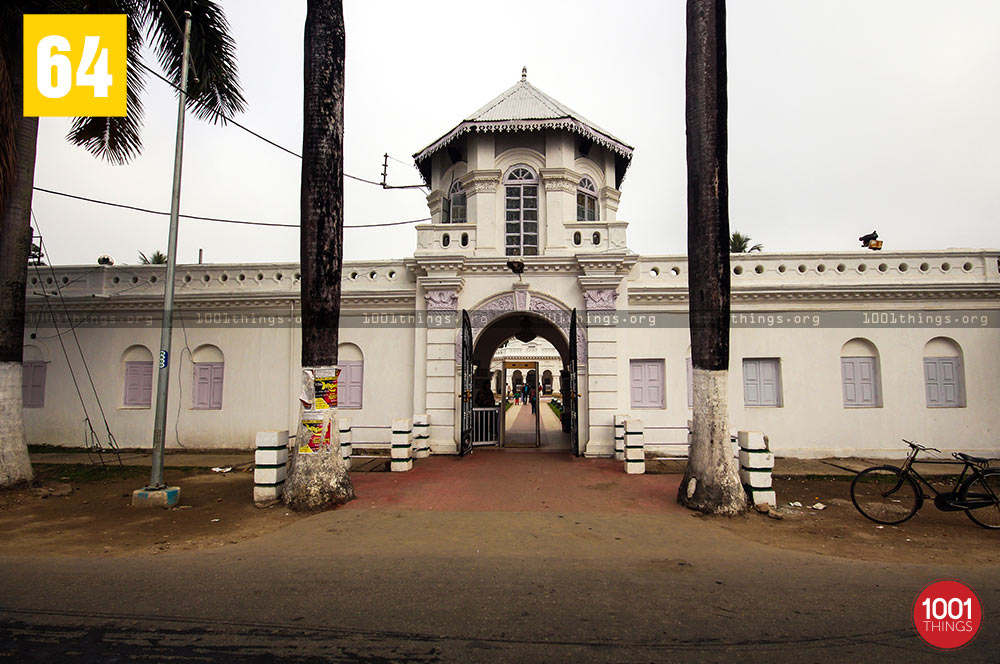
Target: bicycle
column 891, row 495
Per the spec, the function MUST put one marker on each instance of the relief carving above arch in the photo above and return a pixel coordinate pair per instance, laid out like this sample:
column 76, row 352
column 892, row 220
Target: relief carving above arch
column 542, row 305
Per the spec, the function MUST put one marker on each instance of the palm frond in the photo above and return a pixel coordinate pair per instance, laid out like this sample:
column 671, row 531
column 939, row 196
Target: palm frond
column 738, row 243
column 216, row 92
column 118, row 139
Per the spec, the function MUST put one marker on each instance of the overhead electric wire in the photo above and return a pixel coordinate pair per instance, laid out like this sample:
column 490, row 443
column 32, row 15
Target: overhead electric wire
column 228, row 118
column 112, row 443
column 244, row 222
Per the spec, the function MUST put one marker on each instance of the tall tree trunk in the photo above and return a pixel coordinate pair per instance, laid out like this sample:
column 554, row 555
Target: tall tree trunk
column 711, row 479
column 15, row 245
column 320, row 480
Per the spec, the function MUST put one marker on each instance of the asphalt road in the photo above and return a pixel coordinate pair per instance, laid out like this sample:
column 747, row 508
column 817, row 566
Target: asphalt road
column 381, row 585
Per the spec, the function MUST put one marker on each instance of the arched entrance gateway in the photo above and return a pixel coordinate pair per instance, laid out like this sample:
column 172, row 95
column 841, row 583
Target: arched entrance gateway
column 489, row 417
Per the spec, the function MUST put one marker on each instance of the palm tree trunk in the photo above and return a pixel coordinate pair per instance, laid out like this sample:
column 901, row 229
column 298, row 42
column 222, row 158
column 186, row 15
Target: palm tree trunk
column 15, row 245
column 711, row 480
column 321, row 480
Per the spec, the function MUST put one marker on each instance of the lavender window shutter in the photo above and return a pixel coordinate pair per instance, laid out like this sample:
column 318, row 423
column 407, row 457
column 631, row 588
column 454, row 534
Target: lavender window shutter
column 356, row 383
column 860, row 383
column 943, row 382
column 768, row 383
column 202, row 385
column 949, row 381
column 931, row 382
column 866, row 380
column 635, row 384
column 146, row 388
column 654, row 383
column 849, row 375
column 215, row 396
column 133, row 376
column 751, row 383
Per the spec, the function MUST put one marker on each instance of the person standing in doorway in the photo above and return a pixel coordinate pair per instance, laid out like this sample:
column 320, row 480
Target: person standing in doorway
column 533, row 396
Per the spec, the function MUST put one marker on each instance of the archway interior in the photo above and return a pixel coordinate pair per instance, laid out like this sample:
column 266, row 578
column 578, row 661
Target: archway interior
column 514, row 352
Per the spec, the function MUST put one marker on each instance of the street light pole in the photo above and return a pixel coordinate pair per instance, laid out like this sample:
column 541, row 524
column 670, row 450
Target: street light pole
column 163, row 374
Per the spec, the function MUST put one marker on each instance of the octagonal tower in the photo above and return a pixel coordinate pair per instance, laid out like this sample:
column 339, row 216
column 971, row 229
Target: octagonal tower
column 523, row 176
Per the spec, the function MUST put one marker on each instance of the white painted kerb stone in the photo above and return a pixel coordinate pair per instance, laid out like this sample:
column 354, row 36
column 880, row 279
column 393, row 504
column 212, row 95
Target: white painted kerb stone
column 635, row 447
column 270, row 465
column 402, row 446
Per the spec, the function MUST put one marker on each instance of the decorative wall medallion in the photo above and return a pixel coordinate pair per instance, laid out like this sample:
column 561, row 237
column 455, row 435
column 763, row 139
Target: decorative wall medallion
column 441, row 300
column 600, row 300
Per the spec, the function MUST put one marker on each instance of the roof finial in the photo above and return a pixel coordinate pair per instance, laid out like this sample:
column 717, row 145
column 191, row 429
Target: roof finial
column 524, row 73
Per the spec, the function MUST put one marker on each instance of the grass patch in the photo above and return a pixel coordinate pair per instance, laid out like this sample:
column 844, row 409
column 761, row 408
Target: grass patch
column 556, row 409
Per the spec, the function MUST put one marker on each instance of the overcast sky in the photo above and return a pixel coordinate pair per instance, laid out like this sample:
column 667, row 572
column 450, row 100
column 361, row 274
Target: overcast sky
column 845, row 116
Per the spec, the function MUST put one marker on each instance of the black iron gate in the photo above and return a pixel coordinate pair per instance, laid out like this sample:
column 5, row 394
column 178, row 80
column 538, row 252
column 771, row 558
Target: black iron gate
column 572, row 402
column 465, row 437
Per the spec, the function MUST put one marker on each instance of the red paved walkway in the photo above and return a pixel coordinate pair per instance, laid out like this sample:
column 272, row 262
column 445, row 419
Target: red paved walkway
column 520, row 430
column 493, row 480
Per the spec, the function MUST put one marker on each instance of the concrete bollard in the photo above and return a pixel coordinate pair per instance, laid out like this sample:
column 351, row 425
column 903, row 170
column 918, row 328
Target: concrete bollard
column 620, row 437
column 421, row 436
column 270, row 465
column 346, row 435
column 635, row 447
column 402, row 446
column 756, row 465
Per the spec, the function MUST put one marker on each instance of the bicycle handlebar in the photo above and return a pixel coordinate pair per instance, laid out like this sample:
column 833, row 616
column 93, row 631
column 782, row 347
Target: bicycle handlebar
column 920, row 448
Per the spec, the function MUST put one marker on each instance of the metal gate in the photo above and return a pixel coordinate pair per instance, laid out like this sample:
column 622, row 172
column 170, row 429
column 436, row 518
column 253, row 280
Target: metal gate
column 465, row 437
column 572, row 402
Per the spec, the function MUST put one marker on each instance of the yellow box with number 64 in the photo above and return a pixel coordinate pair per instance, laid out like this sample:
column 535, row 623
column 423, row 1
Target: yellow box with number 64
column 74, row 65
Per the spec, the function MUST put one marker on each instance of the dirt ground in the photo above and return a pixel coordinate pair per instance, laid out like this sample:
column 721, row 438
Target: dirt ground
column 82, row 510
column 931, row 536
column 96, row 516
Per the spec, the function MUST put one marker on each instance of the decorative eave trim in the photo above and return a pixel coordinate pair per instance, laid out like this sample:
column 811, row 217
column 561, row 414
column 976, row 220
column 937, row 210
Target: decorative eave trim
column 567, row 123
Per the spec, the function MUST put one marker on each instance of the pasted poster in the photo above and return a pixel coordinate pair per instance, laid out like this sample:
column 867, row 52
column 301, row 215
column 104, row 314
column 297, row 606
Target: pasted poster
column 316, row 433
column 325, row 385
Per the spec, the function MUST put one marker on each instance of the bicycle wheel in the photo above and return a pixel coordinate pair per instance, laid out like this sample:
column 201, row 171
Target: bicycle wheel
column 984, row 493
column 883, row 495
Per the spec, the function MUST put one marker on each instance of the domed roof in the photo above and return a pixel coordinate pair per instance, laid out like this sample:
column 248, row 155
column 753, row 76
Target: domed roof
column 523, row 107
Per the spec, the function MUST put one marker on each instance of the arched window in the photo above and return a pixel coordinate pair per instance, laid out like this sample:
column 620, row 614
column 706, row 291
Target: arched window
column 944, row 375
column 138, row 388
column 350, row 383
column 455, row 208
column 859, row 373
column 547, row 381
column 521, row 206
column 209, row 366
column 586, row 200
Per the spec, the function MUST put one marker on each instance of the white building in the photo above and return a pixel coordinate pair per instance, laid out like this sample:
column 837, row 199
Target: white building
column 830, row 354
column 534, row 362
